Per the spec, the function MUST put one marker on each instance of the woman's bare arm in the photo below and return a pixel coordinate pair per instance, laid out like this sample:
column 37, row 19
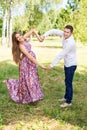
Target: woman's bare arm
column 32, row 59
column 34, row 32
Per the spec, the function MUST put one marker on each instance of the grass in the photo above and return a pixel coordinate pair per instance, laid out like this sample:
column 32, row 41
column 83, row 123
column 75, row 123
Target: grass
column 45, row 114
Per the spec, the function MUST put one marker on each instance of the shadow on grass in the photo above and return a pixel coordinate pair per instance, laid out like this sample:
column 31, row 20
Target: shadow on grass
column 53, row 86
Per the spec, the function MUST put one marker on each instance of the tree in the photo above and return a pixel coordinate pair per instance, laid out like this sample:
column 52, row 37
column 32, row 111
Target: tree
column 7, row 21
column 0, row 27
column 35, row 13
column 82, row 21
column 74, row 4
column 4, row 16
column 79, row 18
column 7, row 7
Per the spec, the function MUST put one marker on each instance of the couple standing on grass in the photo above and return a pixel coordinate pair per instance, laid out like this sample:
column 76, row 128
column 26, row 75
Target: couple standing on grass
column 27, row 88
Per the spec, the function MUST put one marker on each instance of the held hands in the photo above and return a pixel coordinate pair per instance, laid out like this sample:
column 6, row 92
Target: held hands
column 42, row 66
column 48, row 68
column 40, row 38
column 45, row 67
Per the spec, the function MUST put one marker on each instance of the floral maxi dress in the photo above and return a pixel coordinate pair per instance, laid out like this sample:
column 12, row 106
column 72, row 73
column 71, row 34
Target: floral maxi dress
column 27, row 88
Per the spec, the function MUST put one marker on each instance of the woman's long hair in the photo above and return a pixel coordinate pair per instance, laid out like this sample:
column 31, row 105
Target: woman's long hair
column 15, row 48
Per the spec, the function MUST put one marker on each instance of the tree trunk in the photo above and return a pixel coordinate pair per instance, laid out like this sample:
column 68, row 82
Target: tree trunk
column 4, row 27
column 10, row 24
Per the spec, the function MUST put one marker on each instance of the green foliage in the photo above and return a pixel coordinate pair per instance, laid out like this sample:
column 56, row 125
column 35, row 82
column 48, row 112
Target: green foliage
column 20, row 23
column 48, row 21
column 35, row 17
column 1, row 120
column 73, row 4
column 44, row 15
column 31, row 19
column 0, row 27
column 64, row 17
column 82, row 24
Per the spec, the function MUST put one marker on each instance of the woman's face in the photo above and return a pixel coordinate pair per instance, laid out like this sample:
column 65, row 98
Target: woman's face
column 19, row 37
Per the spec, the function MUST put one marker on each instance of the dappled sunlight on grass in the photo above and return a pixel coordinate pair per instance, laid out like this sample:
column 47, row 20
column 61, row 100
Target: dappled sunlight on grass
column 43, row 123
column 49, row 109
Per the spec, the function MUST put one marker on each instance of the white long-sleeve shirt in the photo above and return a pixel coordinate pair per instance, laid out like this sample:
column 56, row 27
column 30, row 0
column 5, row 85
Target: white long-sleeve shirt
column 69, row 49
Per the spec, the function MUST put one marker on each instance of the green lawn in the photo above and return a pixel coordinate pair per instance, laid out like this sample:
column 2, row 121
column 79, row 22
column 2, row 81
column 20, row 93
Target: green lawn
column 45, row 114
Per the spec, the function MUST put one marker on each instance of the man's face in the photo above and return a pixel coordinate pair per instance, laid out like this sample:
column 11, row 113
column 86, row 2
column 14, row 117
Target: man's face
column 67, row 33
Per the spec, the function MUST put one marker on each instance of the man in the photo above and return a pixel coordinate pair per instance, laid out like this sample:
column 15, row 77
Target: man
column 70, row 62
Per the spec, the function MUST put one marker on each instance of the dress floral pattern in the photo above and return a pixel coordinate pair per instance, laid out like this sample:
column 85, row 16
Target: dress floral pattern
column 27, row 88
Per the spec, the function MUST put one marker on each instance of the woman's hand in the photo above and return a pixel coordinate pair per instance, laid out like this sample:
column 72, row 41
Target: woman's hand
column 48, row 68
column 45, row 67
column 42, row 66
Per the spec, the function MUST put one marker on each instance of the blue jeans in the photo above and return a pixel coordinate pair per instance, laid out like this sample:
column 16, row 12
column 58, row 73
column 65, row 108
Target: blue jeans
column 69, row 74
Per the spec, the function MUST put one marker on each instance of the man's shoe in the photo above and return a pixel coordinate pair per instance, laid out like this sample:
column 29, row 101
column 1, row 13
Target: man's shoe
column 62, row 99
column 65, row 105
